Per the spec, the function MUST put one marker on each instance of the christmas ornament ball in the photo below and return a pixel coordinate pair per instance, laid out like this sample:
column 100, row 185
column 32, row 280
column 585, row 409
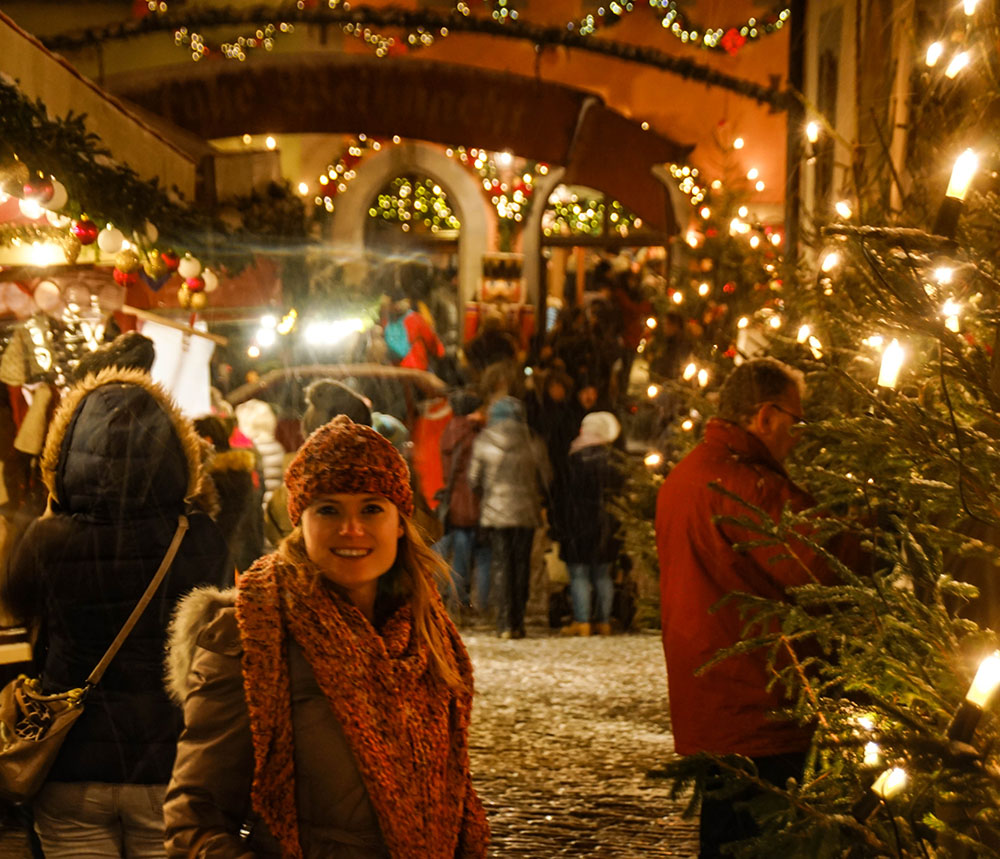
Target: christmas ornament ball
column 195, row 284
column 198, row 300
column 189, row 267
column 59, row 196
column 127, row 261
column 13, row 176
column 211, row 280
column 125, row 278
column 110, row 240
column 39, row 188
column 170, row 260
column 85, row 230
column 184, row 297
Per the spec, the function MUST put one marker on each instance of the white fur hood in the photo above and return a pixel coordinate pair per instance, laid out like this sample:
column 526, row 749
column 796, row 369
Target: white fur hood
column 193, row 614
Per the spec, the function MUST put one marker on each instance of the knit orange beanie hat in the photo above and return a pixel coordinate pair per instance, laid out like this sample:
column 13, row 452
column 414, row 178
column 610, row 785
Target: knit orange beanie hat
column 343, row 456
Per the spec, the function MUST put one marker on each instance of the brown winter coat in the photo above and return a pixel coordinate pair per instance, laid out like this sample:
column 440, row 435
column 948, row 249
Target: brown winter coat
column 208, row 799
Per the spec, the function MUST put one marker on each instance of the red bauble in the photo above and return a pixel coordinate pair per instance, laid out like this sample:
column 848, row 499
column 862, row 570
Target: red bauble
column 85, row 230
column 195, row 284
column 729, row 287
column 170, row 260
column 125, row 278
column 39, row 189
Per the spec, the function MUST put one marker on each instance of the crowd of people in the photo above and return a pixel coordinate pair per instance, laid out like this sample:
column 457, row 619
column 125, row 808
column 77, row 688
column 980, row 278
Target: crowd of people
column 319, row 694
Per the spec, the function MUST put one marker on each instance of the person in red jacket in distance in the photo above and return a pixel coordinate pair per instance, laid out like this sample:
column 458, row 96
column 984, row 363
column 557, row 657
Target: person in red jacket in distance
column 729, row 708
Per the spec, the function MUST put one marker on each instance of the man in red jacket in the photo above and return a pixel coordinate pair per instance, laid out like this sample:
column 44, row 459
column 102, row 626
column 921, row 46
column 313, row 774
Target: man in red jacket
column 728, row 709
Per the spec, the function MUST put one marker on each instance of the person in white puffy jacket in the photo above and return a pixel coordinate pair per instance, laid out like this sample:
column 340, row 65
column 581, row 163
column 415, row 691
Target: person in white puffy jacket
column 258, row 422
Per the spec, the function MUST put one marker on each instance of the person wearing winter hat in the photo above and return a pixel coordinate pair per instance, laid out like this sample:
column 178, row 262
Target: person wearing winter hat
column 325, row 399
column 122, row 466
column 591, row 547
column 330, row 687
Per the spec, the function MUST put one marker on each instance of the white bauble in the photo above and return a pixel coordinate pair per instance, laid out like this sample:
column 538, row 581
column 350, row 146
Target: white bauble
column 109, row 240
column 189, row 267
column 59, row 196
column 211, row 280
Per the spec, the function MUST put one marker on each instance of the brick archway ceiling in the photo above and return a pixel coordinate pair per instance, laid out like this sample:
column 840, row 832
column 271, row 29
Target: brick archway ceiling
column 424, row 100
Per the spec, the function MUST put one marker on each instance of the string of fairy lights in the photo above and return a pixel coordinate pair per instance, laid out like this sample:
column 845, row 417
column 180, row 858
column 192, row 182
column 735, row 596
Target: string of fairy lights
column 729, row 38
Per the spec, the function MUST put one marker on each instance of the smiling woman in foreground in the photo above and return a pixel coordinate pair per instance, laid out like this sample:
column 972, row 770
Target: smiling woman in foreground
column 327, row 698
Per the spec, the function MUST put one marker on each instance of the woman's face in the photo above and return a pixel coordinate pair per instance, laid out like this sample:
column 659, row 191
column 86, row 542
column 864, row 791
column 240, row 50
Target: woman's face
column 352, row 538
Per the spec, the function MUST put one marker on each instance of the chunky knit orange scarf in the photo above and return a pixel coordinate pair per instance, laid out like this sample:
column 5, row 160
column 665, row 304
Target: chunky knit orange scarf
column 407, row 730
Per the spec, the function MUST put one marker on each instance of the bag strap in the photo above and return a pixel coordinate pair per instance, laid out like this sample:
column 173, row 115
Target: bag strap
column 140, row 607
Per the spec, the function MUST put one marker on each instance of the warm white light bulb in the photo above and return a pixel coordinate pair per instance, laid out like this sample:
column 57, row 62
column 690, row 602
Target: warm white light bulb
column 804, row 332
column 253, row 351
column 743, row 322
column 958, row 62
column 753, row 173
column 652, row 459
column 830, row 261
column 934, row 52
column 743, row 211
column 705, row 212
column 986, row 681
column 950, row 313
column 812, row 131
column 970, row 6
column 892, row 363
column 687, row 425
column 677, row 297
column 943, row 274
column 270, row 142
column 651, row 322
column 774, row 322
column 739, row 143
column 704, row 289
column 890, row 782
column 815, row 347
column 843, row 209
column 652, row 391
column 303, row 188
column 754, row 241
column 703, row 377
column 689, row 371
column 961, row 174
column 873, row 754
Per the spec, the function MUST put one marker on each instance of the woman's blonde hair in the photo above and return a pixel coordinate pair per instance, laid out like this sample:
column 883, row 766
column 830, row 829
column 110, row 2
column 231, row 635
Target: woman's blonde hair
column 414, row 578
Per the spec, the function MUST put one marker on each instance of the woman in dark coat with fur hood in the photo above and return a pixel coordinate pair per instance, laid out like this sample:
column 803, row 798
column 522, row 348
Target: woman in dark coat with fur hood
column 121, row 465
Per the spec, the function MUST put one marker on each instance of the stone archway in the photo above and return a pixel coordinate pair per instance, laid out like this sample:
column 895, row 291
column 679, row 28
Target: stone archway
column 464, row 193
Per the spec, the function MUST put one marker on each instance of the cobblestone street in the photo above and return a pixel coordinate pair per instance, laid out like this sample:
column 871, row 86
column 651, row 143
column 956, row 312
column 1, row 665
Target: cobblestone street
column 563, row 732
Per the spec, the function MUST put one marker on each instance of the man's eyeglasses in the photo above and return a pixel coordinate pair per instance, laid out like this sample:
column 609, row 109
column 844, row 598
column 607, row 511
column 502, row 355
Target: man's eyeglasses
column 797, row 420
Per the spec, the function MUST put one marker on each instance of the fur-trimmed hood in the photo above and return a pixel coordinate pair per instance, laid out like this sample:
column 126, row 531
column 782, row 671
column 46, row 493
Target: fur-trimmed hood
column 119, row 446
column 191, row 616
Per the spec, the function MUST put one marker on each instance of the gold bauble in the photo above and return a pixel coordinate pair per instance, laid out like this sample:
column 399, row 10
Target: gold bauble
column 127, row 261
column 155, row 267
column 184, row 297
column 198, row 300
column 71, row 248
column 13, row 175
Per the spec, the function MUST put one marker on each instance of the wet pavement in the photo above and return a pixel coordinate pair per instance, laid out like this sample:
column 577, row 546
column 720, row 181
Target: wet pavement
column 563, row 733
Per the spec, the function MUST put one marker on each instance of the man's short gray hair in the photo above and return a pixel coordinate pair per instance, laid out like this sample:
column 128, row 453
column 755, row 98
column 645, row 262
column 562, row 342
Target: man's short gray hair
column 753, row 383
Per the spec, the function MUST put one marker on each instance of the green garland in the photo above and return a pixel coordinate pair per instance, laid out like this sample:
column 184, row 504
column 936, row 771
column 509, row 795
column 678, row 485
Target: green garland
column 407, row 19
column 110, row 192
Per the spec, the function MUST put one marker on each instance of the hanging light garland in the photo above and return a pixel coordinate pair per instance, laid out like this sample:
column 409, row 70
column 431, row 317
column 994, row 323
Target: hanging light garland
column 410, row 202
column 730, row 38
